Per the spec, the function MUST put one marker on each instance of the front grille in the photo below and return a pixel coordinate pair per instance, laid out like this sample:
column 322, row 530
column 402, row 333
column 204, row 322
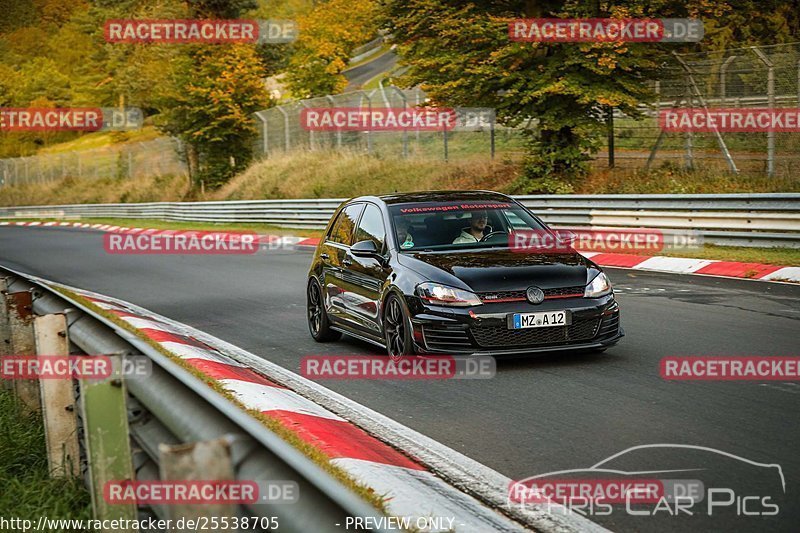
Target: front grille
column 489, row 297
column 494, row 336
column 446, row 338
column 563, row 291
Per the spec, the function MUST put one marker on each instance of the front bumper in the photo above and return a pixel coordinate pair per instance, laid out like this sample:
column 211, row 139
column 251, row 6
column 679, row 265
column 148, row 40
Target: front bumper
column 594, row 323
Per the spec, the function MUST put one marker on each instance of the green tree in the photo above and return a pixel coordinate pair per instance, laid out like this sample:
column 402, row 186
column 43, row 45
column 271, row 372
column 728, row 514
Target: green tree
column 328, row 35
column 461, row 54
column 209, row 106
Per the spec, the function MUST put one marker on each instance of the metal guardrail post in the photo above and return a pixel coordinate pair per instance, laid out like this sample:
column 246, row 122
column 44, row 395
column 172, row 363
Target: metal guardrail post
column 723, row 82
column 771, row 103
column 610, row 125
column 285, row 128
column 5, row 331
column 198, row 461
column 58, row 400
column 310, row 131
column 264, row 134
column 339, row 130
column 368, row 96
column 405, row 131
column 107, row 440
column 19, row 306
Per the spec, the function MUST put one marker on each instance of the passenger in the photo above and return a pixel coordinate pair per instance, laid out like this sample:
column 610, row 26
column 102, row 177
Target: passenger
column 477, row 225
column 405, row 238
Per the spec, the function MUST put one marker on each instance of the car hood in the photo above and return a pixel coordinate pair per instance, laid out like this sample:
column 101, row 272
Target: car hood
column 498, row 270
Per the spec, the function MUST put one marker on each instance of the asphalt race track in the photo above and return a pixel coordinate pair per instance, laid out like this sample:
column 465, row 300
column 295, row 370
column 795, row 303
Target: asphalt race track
column 537, row 415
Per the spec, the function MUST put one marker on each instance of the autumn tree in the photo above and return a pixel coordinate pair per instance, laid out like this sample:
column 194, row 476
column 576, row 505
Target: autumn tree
column 328, row 35
column 461, row 54
column 209, row 105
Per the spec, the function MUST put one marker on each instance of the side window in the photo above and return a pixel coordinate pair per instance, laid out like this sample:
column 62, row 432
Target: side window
column 342, row 231
column 371, row 227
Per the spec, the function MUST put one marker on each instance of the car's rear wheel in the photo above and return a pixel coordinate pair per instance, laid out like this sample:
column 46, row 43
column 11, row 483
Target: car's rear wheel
column 397, row 329
column 318, row 323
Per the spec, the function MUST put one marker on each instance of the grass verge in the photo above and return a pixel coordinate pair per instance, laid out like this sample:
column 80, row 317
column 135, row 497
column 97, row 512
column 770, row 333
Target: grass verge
column 767, row 256
column 26, row 490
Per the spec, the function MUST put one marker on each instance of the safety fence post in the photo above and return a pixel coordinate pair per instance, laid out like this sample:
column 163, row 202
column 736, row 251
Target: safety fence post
column 58, row 399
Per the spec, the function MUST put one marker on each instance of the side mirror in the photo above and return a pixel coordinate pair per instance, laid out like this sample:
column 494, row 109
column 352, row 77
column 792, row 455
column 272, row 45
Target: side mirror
column 365, row 249
column 565, row 237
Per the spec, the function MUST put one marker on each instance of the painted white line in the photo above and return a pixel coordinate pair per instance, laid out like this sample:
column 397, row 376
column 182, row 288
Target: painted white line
column 265, row 398
column 673, row 264
column 144, row 323
column 785, row 273
column 186, row 351
column 418, row 493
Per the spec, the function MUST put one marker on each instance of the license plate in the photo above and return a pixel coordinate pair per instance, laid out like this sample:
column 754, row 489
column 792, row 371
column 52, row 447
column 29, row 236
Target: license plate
column 539, row 320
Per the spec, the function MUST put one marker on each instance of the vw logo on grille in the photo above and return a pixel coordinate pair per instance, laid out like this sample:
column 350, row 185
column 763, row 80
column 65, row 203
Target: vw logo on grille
column 535, row 295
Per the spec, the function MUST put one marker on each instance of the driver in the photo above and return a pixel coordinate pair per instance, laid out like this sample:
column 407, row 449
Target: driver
column 477, row 225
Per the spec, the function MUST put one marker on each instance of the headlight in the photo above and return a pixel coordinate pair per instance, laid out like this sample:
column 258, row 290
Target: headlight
column 599, row 286
column 444, row 295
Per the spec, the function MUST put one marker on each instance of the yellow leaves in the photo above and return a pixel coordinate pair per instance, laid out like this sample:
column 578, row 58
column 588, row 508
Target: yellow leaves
column 607, row 62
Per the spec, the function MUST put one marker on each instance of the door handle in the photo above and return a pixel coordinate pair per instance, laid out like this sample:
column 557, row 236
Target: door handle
column 324, row 256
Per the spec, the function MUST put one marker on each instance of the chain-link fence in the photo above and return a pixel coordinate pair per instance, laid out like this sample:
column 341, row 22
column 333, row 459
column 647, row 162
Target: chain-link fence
column 149, row 158
column 730, row 78
column 763, row 77
column 742, row 78
column 281, row 130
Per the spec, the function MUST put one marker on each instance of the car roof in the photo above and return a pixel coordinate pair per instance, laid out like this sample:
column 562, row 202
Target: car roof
column 443, row 196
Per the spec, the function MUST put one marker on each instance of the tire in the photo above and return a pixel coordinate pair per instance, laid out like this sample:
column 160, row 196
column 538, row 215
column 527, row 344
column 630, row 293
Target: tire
column 318, row 324
column 397, row 329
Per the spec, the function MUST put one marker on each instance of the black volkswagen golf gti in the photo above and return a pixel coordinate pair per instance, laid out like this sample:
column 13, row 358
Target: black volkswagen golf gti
column 438, row 273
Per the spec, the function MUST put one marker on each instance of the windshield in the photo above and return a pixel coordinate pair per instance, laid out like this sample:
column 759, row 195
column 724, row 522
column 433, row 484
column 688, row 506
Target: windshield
column 459, row 225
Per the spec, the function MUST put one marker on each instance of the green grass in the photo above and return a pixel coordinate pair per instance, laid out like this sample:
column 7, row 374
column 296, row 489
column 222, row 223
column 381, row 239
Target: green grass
column 26, row 490
column 102, row 139
column 768, row 256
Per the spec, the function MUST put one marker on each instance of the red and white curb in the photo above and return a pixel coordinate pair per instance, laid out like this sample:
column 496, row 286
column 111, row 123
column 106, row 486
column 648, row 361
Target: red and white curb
column 410, row 484
column 674, row 265
column 706, row 267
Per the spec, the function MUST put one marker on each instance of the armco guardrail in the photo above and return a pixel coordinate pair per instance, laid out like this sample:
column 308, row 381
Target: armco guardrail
column 727, row 219
column 169, row 406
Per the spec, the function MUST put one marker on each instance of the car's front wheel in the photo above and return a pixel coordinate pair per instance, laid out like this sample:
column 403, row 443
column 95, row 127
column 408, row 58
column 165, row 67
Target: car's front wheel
column 318, row 323
column 397, row 329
